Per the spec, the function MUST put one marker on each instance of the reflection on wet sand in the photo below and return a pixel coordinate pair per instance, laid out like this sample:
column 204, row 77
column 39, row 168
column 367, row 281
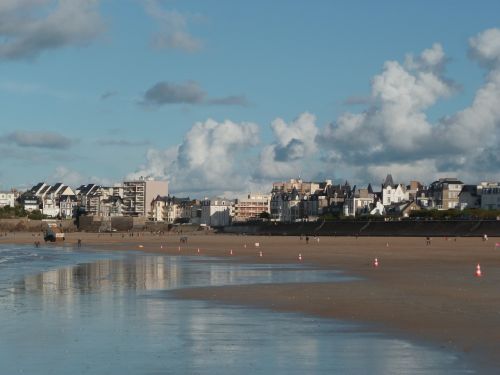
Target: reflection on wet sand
column 105, row 317
column 149, row 272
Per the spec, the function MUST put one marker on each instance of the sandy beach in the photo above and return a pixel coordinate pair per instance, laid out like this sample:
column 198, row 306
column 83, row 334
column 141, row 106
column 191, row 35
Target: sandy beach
column 427, row 293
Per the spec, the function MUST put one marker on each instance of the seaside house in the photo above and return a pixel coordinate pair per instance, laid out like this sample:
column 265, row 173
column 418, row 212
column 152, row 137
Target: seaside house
column 217, row 211
column 469, row 197
column 29, row 201
column 7, row 198
column 170, row 209
column 490, row 195
column 444, row 193
column 111, row 206
column 285, row 207
column 393, row 193
column 359, row 202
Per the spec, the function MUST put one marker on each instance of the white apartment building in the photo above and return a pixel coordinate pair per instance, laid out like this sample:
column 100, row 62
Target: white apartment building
column 138, row 195
column 7, row 199
column 216, row 212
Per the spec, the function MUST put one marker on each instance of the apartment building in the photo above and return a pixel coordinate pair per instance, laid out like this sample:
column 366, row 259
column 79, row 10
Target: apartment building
column 445, row 193
column 138, row 195
column 251, row 207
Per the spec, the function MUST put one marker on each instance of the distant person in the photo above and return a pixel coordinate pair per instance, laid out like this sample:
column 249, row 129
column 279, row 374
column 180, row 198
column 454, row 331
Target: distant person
column 307, row 239
column 428, row 241
column 485, row 237
column 79, row 242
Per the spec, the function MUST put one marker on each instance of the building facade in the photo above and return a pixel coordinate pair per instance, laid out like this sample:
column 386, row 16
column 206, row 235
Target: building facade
column 216, row 212
column 7, row 198
column 138, row 195
column 251, row 207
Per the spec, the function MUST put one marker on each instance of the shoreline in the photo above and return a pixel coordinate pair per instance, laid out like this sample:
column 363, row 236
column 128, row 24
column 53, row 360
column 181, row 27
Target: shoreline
column 424, row 292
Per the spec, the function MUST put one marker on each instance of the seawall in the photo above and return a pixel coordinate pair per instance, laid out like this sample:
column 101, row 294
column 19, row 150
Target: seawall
column 463, row 228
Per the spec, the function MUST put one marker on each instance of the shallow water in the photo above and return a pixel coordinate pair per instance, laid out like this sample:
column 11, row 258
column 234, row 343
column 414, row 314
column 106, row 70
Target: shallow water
column 109, row 315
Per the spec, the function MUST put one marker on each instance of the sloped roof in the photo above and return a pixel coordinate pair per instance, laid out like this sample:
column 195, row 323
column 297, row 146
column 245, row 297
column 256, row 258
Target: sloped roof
column 388, row 181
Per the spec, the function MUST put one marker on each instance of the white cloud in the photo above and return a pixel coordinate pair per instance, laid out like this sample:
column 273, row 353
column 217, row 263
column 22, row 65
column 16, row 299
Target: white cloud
column 294, row 143
column 211, row 158
column 396, row 124
column 30, row 27
column 172, row 28
column 392, row 135
column 395, row 134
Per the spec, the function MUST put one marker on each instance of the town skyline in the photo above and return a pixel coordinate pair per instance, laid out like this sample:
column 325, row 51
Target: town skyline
column 195, row 93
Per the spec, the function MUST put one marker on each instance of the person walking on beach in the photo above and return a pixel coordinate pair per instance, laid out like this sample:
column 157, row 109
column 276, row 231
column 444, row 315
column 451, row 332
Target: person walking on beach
column 428, row 241
column 79, row 242
column 307, row 239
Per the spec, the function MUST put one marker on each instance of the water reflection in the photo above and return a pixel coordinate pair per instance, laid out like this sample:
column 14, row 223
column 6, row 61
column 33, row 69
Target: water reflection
column 109, row 317
column 147, row 272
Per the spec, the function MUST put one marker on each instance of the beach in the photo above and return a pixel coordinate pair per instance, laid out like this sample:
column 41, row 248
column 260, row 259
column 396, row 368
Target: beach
column 424, row 292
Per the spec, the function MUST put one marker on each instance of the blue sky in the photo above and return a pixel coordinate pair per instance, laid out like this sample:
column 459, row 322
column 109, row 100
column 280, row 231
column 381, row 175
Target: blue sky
column 227, row 96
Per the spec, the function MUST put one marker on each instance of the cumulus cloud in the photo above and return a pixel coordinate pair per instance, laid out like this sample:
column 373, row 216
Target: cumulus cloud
column 48, row 140
column 30, row 27
column 211, row 158
column 394, row 132
column 396, row 125
column 172, row 30
column 190, row 92
column 294, row 142
column 474, row 132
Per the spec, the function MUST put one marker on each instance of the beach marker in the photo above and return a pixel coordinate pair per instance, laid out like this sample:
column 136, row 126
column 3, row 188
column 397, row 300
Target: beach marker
column 300, row 257
column 375, row 262
column 260, row 254
column 231, row 252
column 478, row 271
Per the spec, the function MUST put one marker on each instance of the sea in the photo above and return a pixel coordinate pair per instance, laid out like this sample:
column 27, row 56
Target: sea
column 65, row 310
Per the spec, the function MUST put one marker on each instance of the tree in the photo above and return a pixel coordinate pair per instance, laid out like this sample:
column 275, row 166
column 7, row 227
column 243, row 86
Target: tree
column 265, row 215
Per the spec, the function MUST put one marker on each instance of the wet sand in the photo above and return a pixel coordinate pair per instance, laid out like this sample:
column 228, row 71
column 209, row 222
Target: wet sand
column 423, row 292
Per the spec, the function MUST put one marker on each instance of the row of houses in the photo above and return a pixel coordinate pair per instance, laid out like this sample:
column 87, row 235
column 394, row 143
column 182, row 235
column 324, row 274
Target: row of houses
column 288, row 201
column 130, row 198
column 296, row 200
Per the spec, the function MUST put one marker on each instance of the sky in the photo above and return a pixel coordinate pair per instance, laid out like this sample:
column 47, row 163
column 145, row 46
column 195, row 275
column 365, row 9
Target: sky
column 223, row 97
